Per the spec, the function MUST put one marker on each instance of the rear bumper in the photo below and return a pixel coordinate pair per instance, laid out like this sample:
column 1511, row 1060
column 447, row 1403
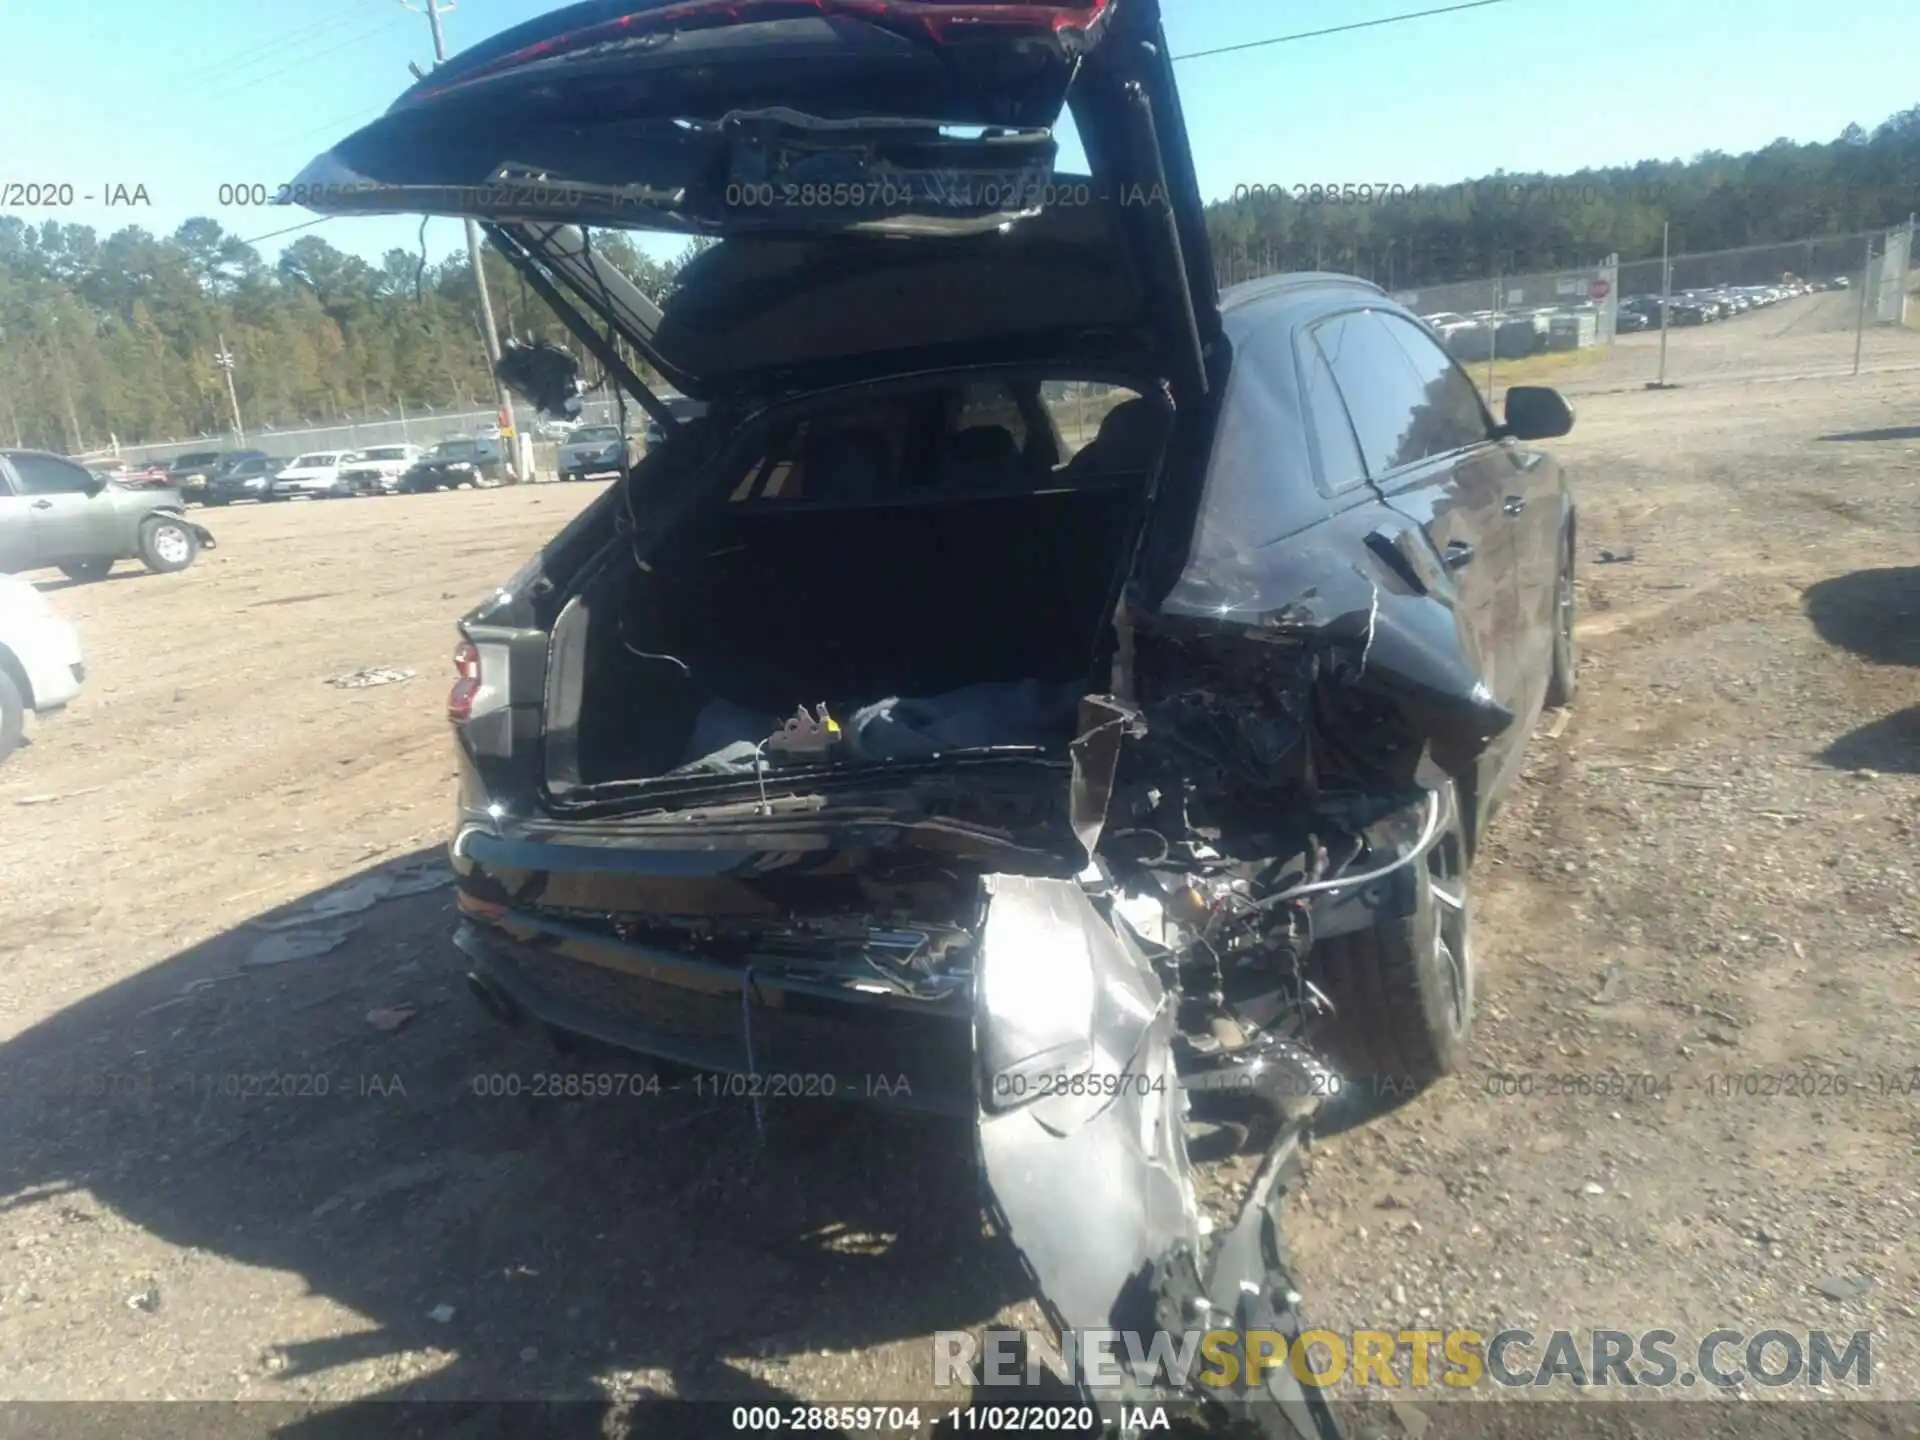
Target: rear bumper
column 785, row 1034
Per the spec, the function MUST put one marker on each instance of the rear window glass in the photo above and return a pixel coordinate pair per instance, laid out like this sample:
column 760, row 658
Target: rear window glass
column 386, row 452
column 595, row 435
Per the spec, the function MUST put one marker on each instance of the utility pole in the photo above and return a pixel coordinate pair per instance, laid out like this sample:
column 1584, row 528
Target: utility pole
column 1666, row 298
column 435, row 9
column 224, row 359
column 1866, row 283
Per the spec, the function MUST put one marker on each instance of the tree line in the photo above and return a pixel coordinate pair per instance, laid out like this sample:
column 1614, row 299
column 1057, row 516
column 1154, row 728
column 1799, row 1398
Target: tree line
column 115, row 338
column 1404, row 237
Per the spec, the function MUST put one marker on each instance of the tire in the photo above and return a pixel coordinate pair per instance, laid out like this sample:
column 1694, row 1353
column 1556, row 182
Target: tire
column 1402, row 991
column 13, row 715
column 167, row 544
column 1564, row 681
column 83, row 571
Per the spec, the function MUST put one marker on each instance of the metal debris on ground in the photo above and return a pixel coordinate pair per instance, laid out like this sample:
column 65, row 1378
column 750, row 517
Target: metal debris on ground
column 55, row 799
column 367, row 678
column 365, row 893
column 441, row 1314
column 390, row 1018
column 1843, row 1287
column 278, row 949
column 1616, row 557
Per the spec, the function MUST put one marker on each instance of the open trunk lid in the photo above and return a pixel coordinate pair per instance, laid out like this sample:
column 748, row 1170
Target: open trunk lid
column 756, row 120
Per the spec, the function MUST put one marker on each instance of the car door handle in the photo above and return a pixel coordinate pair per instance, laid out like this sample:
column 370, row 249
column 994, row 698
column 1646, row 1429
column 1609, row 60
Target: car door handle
column 43, row 504
column 1458, row 553
column 1514, row 504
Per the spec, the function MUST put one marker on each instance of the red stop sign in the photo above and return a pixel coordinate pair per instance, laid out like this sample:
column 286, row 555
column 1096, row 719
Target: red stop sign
column 1598, row 290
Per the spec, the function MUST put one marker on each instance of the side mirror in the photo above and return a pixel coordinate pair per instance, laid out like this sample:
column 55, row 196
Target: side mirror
column 1535, row 412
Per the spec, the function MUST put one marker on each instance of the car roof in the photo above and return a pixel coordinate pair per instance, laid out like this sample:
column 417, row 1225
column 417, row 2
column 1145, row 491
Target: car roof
column 1293, row 285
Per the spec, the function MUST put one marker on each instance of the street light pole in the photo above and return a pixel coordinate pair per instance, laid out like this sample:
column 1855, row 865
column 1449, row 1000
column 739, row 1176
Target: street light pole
column 224, row 359
column 502, row 397
column 1666, row 298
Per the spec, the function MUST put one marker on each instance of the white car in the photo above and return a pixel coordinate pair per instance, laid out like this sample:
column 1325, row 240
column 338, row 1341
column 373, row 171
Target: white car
column 315, row 475
column 40, row 664
column 377, row 471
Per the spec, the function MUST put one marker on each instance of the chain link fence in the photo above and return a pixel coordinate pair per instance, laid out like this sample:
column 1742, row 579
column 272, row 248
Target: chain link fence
column 1865, row 304
column 1823, row 305
column 1835, row 305
column 423, row 427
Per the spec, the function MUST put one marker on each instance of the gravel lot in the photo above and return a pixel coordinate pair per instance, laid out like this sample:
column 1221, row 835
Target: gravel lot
column 221, row 1180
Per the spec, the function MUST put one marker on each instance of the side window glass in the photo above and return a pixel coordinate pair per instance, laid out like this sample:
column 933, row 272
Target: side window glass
column 1383, row 394
column 48, row 475
column 1341, row 467
column 1452, row 417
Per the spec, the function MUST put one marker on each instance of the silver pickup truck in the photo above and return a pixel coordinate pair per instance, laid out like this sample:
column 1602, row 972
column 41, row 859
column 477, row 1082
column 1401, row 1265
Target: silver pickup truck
column 53, row 513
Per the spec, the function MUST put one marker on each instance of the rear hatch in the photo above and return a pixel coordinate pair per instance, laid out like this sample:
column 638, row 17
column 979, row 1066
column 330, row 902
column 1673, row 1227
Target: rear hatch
column 798, row 120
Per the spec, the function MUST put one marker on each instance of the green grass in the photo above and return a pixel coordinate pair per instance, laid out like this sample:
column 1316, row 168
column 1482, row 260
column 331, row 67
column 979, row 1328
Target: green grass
column 1536, row 369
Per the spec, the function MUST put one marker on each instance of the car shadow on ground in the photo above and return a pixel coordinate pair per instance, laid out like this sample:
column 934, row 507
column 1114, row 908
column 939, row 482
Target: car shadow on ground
column 1892, row 432
column 273, row 1115
column 54, row 583
column 1890, row 745
column 1873, row 613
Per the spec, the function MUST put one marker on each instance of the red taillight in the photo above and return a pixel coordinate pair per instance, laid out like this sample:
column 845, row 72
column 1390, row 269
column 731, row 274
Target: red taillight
column 466, row 662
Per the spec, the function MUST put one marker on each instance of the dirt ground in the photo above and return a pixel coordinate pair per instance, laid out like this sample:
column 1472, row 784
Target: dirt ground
column 222, row 1179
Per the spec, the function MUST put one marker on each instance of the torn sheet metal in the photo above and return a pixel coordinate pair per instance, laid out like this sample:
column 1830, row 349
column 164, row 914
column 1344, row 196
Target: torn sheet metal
column 1083, row 1144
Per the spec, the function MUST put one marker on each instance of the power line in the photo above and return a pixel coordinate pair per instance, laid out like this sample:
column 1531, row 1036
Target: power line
column 356, row 119
column 1339, row 29
column 253, row 54
column 271, row 234
column 386, row 24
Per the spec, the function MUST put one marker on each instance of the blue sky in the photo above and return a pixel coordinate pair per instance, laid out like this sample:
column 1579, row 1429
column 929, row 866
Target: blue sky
column 186, row 95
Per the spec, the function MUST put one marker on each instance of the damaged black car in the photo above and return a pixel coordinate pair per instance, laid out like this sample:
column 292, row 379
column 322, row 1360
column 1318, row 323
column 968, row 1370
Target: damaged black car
column 1036, row 686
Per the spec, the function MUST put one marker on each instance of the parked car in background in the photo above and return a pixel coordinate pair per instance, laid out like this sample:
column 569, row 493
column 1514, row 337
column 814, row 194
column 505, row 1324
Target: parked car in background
column 594, row 452
column 188, row 473
column 682, row 408
column 1626, row 320
column 477, row 461
column 196, row 475
column 550, row 428
column 53, row 513
column 246, row 477
column 41, row 667
column 314, row 476
column 129, row 474
column 377, row 471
